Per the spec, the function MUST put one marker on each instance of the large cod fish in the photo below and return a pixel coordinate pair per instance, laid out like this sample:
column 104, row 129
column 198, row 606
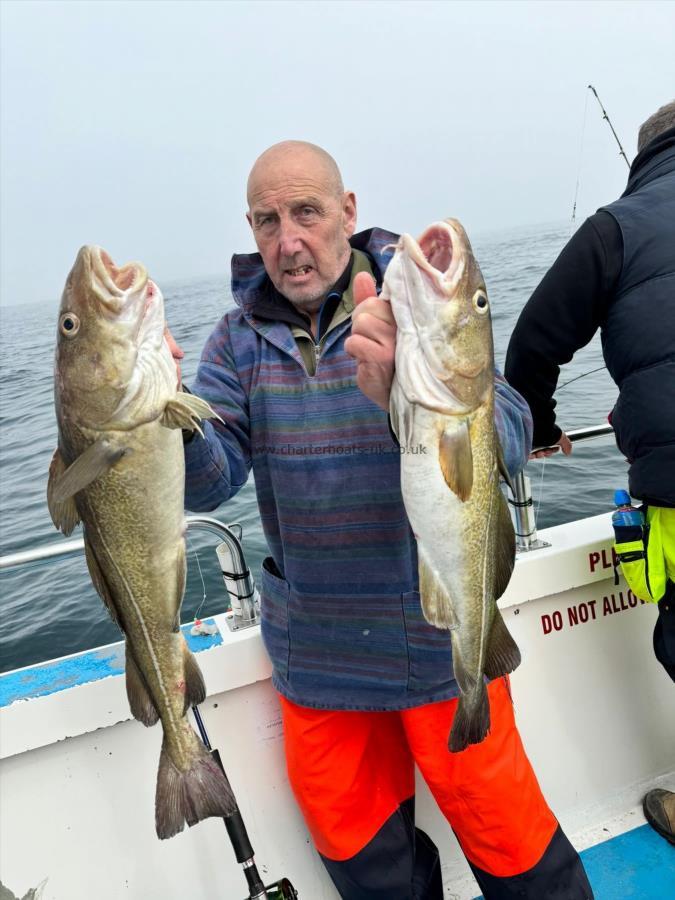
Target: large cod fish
column 442, row 399
column 119, row 469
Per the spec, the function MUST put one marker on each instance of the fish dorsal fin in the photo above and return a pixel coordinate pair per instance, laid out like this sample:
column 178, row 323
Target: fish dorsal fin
column 503, row 655
column 456, row 459
column 95, row 461
column 186, row 411
column 63, row 512
column 505, row 546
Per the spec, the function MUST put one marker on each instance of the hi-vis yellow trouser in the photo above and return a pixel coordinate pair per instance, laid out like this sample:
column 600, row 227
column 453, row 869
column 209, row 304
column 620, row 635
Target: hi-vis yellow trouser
column 648, row 561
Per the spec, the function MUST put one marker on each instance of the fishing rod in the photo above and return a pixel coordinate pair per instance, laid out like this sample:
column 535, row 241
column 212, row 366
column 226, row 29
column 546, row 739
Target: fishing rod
column 243, row 851
column 605, row 116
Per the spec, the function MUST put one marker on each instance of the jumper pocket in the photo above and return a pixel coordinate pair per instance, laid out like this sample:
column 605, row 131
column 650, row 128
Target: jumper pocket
column 274, row 616
column 639, row 550
column 429, row 648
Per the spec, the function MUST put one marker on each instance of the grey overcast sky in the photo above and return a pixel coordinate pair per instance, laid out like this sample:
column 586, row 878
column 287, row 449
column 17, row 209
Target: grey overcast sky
column 134, row 124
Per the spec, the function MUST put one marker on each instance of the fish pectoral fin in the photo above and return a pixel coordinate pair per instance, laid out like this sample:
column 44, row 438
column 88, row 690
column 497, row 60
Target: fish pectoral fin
column 64, row 513
column 141, row 704
column 186, row 411
column 95, row 461
column 401, row 415
column 436, row 603
column 505, row 546
column 456, row 459
column 99, row 582
column 502, row 655
column 503, row 471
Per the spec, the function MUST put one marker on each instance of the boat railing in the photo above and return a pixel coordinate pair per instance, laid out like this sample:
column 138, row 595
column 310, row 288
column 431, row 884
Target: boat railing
column 523, row 507
column 240, row 585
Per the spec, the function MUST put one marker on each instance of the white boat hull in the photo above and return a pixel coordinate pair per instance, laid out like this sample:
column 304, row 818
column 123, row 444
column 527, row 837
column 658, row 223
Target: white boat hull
column 77, row 775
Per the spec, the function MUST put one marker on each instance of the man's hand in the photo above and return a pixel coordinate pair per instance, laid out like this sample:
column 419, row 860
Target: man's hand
column 176, row 351
column 563, row 443
column 372, row 342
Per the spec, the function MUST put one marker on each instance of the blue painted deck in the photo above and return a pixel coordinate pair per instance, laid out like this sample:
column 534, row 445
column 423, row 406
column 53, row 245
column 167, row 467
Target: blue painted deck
column 91, row 665
column 638, row 864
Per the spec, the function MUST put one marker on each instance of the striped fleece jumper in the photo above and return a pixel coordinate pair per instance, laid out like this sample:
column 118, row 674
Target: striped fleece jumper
column 341, row 614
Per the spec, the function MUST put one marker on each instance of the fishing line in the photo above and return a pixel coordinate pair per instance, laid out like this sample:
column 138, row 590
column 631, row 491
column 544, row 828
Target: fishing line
column 583, row 132
column 581, row 154
column 544, row 458
column 541, row 490
column 201, row 575
column 565, row 383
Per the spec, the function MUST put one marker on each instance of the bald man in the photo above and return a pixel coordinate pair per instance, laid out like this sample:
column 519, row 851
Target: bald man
column 300, row 373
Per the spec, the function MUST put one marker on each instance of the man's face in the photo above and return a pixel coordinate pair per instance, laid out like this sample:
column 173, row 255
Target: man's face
column 302, row 225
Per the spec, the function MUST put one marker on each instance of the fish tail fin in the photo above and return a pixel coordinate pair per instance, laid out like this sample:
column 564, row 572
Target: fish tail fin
column 195, row 689
column 141, row 704
column 503, row 655
column 189, row 796
column 472, row 719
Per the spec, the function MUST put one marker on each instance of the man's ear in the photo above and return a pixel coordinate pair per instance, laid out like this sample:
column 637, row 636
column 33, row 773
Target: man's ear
column 349, row 213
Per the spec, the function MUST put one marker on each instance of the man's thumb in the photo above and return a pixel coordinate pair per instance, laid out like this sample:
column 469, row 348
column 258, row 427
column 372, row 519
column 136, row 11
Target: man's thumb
column 364, row 287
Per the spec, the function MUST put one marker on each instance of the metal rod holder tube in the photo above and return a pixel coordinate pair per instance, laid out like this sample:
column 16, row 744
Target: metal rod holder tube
column 525, row 525
column 244, row 598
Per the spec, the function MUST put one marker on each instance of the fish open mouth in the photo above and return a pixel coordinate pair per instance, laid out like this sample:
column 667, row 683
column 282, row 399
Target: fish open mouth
column 122, row 277
column 438, row 254
column 436, row 245
column 119, row 289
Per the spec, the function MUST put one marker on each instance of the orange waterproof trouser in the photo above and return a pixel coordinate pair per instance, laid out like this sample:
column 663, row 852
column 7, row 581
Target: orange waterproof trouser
column 350, row 771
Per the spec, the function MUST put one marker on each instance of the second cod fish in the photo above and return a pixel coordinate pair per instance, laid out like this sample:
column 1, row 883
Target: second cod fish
column 119, row 469
column 442, row 399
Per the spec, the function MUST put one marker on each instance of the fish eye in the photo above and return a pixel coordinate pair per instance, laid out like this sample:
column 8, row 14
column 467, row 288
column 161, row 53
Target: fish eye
column 480, row 302
column 69, row 324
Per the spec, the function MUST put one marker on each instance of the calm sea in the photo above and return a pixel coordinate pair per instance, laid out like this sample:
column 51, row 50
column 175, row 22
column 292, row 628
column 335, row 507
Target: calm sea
column 50, row 609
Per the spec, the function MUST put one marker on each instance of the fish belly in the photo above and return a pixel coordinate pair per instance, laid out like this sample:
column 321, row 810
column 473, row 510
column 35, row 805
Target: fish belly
column 134, row 521
column 437, row 516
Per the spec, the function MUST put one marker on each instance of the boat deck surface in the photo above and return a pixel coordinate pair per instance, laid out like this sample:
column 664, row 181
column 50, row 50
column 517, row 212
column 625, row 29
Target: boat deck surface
column 638, row 864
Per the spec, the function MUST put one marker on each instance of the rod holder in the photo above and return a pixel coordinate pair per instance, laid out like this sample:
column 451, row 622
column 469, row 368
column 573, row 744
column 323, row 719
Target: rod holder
column 523, row 513
column 241, row 589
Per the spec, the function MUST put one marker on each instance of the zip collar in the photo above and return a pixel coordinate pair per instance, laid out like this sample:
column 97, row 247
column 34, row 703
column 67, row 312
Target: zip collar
column 274, row 307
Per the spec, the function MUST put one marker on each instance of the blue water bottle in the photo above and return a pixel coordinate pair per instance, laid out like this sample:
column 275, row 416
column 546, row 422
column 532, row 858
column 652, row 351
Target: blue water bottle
column 626, row 519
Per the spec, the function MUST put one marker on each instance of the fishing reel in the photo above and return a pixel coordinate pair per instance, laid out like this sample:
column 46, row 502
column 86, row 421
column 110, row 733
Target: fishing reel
column 280, row 890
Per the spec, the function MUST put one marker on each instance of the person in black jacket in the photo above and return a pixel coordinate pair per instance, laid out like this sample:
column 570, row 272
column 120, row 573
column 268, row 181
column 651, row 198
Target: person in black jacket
column 617, row 273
